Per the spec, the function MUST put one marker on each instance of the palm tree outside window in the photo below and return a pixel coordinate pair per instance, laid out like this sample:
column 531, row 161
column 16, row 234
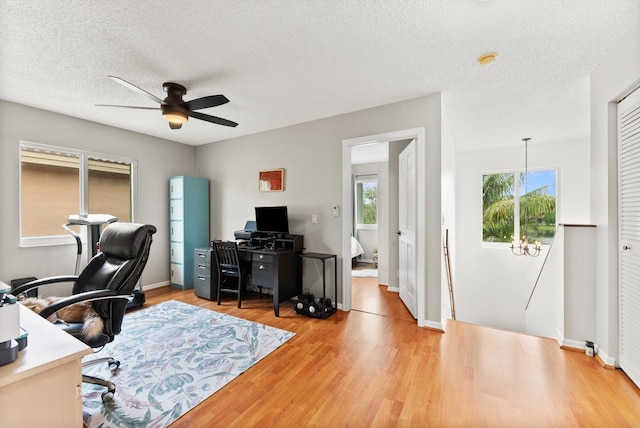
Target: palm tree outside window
column 514, row 206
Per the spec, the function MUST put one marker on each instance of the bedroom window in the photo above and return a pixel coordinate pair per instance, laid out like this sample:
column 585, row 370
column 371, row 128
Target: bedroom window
column 56, row 182
column 510, row 210
column 366, row 203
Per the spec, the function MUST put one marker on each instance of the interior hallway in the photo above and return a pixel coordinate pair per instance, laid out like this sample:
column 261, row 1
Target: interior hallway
column 368, row 296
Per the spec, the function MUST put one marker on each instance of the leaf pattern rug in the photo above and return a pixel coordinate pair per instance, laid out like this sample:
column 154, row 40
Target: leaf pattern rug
column 173, row 356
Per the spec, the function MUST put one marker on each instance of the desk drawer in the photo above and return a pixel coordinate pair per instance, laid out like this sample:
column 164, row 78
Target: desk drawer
column 202, row 256
column 262, row 273
column 202, row 280
column 204, row 287
column 262, row 258
column 201, row 268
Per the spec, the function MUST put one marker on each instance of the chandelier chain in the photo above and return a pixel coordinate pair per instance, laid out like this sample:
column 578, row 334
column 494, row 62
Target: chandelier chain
column 523, row 248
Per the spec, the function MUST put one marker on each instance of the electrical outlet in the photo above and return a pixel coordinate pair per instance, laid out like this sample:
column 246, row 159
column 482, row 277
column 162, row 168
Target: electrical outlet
column 314, row 218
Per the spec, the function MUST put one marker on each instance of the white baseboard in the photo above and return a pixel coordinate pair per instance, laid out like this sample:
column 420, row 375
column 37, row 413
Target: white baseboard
column 580, row 345
column 559, row 337
column 575, row 344
column 609, row 361
column 393, row 289
column 156, row 285
column 433, row 325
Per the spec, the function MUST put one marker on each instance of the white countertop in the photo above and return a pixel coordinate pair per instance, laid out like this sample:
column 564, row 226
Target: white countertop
column 47, row 347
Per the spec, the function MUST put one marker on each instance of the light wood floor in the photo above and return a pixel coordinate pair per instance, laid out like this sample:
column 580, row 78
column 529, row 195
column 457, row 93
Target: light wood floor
column 368, row 296
column 359, row 369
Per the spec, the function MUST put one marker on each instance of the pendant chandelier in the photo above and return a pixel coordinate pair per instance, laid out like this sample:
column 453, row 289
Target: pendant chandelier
column 524, row 248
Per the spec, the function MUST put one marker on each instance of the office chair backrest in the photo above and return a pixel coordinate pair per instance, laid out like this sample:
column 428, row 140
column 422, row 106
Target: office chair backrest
column 226, row 254
column 124, row 251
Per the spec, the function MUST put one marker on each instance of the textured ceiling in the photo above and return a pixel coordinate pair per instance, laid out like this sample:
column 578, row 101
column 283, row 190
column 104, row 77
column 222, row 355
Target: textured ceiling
column 291, row 61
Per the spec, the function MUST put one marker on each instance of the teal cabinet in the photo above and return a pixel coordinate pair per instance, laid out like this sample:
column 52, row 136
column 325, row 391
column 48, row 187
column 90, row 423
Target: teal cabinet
column 188, row 225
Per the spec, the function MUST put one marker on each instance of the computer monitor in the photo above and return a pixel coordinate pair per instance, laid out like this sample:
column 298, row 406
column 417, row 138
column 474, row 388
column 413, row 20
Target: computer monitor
column 272, row 220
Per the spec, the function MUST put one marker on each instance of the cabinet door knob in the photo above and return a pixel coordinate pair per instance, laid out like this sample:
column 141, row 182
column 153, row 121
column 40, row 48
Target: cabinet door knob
column 262, row 267
column 626, row 247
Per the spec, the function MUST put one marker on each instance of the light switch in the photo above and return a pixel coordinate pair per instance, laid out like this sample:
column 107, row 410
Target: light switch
column 314, row 218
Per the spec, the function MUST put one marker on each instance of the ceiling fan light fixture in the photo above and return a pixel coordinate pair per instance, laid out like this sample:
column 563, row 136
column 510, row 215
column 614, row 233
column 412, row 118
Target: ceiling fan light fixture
column 175, row 118
column 487, row 58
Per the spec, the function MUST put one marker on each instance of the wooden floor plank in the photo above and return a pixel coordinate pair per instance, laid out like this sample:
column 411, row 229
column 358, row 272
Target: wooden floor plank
column 361, row 369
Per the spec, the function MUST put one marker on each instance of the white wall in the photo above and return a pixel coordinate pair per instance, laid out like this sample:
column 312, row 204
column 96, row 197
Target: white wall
column 545, row 314
column 448, row 213
column 615, row 77
column 157, row 161
column 492, row 285
column 563, row 305
column 311, row 155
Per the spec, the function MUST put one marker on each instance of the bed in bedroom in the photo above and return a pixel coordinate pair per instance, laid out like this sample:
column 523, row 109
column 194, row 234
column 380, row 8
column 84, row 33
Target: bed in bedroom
column 356, row 249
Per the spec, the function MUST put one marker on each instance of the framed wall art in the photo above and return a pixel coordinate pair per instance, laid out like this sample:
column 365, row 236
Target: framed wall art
column 271, row 180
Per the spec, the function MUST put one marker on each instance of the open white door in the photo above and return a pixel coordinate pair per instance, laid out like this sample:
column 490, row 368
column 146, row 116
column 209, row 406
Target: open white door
column 407, row 233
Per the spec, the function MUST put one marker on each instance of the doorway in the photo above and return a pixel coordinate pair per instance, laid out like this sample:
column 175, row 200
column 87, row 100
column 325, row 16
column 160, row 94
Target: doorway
column 348, row 216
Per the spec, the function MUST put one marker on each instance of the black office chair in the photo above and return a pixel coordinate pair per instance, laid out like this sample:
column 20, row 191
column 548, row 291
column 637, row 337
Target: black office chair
column 232, row 273
column 107, row 282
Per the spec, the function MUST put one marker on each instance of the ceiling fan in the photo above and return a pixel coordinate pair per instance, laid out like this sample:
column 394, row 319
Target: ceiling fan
column 174, row 109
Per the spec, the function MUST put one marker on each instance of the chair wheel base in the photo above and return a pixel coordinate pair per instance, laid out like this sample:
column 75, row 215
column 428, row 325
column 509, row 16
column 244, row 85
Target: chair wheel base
column 107, row 396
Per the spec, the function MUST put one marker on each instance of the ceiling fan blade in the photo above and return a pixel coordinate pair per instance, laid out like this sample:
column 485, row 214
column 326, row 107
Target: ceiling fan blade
column 136, row 89
column 212, row 119
column 136, row 107
column 205, row 102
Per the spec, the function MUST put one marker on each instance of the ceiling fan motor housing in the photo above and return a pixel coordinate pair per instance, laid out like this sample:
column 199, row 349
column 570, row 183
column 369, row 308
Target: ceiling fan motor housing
column 175, row 92
column 172, row 110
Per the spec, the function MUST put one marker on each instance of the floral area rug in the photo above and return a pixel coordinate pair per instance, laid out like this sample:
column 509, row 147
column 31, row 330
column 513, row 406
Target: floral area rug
column 173, row 356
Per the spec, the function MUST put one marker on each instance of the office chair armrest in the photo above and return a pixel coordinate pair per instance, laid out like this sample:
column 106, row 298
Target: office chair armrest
column 40, row 282
column 87, row 296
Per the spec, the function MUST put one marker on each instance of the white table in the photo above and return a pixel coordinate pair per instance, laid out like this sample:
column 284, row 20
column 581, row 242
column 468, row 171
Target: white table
column 43, row 386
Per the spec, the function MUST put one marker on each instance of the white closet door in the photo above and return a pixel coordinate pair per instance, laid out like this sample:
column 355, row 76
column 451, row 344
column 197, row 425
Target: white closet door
column 629, row 233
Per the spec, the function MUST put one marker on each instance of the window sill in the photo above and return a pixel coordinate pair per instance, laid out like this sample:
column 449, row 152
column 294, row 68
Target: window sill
column 367, row 226
column 47, row 241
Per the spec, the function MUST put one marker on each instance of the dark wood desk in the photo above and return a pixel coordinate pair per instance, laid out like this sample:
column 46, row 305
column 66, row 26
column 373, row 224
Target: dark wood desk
column 280, row 270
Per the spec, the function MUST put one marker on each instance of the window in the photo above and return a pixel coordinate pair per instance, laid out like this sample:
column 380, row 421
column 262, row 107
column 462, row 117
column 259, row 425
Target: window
column 56, row 182
column 514, row 206
column 366, row 202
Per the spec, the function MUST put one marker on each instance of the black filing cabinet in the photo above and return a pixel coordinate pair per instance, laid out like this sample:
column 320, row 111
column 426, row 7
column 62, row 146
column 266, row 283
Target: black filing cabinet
column 205, row 274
